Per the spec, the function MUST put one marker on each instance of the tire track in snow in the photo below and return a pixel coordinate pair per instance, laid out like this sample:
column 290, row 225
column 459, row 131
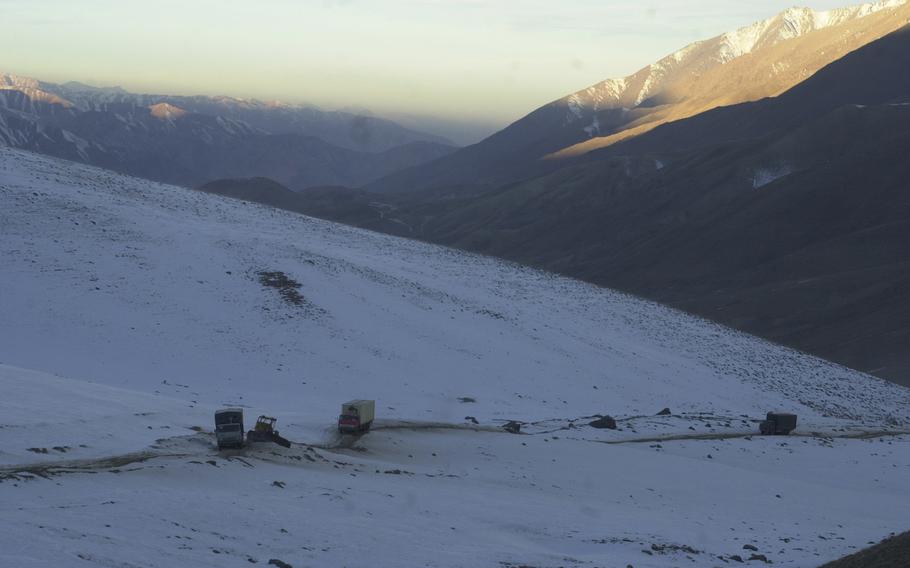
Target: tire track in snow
column 858, row 435
column 48, row 469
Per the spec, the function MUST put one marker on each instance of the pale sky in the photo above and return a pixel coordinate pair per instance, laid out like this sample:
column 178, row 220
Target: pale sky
column 478, row 60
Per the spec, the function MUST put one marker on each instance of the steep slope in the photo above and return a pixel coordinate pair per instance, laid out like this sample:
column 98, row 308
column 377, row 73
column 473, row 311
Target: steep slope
column 786, row 217
column 154, row 293
column 893, row 552
column 873, row 75
column 761, row 60
column 344, row 205
column 98, row 263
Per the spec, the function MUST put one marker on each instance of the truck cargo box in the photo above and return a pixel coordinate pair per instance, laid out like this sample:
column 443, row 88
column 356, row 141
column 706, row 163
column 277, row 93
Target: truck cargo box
column 778, row 423
column 356, row 416
column 229, row 427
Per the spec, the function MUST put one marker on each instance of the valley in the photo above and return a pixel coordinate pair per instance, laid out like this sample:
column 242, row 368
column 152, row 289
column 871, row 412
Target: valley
column 785, row 217
column 659, row 321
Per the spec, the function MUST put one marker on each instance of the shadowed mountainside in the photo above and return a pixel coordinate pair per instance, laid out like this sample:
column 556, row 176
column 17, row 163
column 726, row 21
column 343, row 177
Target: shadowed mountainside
column 787, row 217
column 346, row 205
column 757, row 61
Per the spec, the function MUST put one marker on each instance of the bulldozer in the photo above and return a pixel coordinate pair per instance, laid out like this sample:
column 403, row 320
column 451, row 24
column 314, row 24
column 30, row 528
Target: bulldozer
column 264, row 431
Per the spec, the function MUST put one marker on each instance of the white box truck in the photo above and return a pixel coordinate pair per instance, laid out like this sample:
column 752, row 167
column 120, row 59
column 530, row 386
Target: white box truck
column 356, row 416
column 229, row 427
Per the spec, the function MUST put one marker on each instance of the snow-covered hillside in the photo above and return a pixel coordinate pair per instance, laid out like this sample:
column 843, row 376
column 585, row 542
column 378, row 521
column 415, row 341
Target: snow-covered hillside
column 154, row 305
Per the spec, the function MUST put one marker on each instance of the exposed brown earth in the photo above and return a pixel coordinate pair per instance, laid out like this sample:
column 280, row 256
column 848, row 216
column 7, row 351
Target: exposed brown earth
column 893, row 552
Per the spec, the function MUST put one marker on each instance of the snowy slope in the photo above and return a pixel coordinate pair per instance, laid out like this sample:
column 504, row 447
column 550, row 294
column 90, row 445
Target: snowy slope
column 420, row 497
column 152, row 294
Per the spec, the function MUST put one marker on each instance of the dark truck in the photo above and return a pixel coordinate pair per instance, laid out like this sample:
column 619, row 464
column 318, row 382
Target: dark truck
column 777, row 424
column 229, row 427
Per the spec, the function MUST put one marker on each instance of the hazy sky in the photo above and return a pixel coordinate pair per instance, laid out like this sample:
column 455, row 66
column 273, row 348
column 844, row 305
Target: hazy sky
column 484, row 60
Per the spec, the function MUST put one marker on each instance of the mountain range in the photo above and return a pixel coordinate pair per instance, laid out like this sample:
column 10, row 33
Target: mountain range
column 799, row 232
column 753, row 62
column 754, row 178
column 787, row 216
column 190, row 140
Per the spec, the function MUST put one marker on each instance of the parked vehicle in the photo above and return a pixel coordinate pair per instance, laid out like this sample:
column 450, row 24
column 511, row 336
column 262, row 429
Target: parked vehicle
column 356, row 416
column 264, row 431
column 778, row 423
column 229, row 427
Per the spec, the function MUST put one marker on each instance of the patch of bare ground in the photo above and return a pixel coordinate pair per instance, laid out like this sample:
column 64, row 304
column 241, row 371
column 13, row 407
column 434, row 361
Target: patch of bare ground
column 893, row 552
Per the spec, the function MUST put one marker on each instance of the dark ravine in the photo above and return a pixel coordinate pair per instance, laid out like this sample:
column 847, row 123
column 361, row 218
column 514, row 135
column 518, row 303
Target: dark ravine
column 351, row 206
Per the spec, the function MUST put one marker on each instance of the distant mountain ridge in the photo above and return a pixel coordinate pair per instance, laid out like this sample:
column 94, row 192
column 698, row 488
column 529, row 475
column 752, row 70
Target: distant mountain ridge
column 354, row 131
column 192, row 140
column 754, row 62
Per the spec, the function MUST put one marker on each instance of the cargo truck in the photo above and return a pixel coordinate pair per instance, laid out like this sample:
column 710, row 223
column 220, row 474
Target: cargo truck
column 777, row 424
column 356, row 416
column 229, row 427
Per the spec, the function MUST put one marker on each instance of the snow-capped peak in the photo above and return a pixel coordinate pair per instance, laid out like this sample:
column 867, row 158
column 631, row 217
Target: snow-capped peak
column 166, row 111
column 8, row 81
column 35, row 90
column 700, row 56
column 792, row 23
